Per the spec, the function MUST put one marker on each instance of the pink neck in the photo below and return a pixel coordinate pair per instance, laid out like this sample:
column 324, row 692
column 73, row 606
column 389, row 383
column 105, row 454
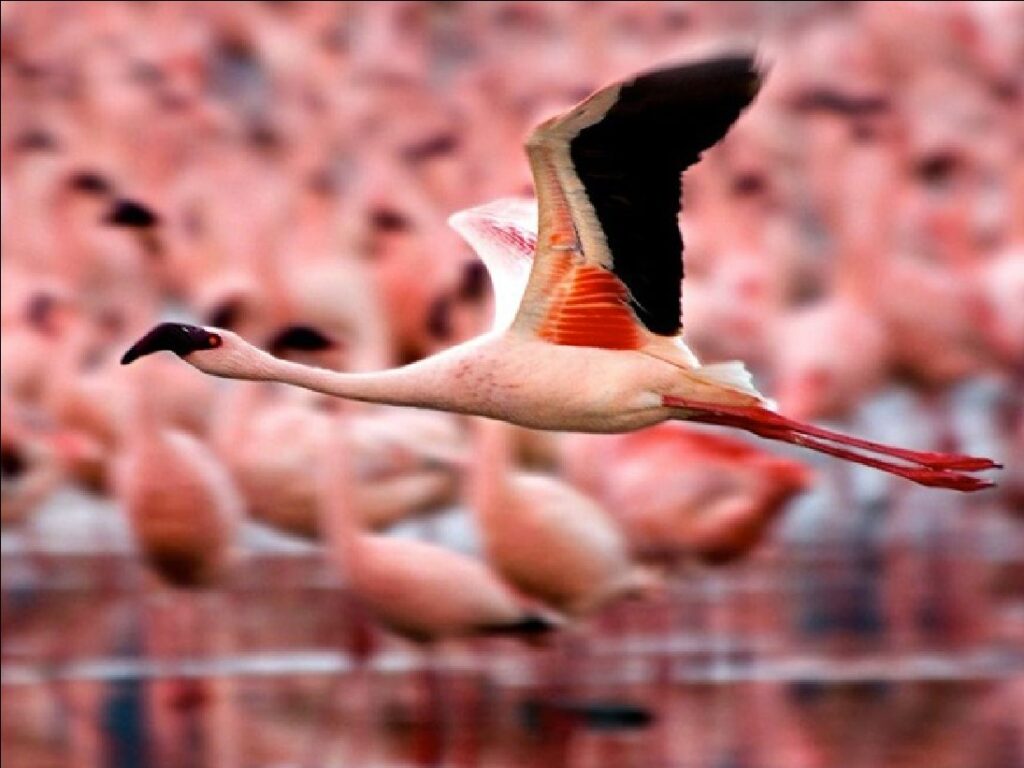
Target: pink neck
column 416, row 385
column 488, row 472
column 338, row 525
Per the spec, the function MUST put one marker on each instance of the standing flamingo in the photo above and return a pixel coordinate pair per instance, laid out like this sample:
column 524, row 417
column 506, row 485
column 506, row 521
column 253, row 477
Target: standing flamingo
column 184, row 510
column 678, row 492
column 186, row 517
column 543, row 536
column 270, row 446
column 594, row 345
column 418, row 590
column 426, row 593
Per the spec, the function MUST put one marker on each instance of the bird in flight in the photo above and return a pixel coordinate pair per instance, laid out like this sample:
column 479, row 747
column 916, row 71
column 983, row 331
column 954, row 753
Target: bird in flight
column 593, row 344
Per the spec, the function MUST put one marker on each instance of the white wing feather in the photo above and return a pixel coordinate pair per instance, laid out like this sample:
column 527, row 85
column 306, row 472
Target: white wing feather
column 503, row 233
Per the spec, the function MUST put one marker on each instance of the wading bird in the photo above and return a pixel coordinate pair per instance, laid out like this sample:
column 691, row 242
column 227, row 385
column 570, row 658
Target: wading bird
column 680, row 493
column 417, row 590
column 543, row 536
column 595, row 344
column 185, row 512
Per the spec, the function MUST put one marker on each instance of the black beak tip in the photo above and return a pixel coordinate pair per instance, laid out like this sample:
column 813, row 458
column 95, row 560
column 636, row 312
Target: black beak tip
column 131, row 355
column 299, row 338
column 145, row 346
column 130, row 214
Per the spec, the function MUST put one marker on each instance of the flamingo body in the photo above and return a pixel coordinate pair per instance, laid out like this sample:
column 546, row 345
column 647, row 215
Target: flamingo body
column 560, row 547
column 183, row 509
column 418, row 590
column 543, row 536
column 423, row 592
column 678, row 492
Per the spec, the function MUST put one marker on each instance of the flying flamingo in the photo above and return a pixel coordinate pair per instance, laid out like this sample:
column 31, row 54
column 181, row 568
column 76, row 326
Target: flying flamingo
column 594, row 345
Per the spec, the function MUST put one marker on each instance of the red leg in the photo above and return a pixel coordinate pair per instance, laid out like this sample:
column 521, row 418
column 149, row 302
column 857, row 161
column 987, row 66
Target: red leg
column 940, row 470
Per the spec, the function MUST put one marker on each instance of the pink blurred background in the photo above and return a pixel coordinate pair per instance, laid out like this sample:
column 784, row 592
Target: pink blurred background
column 857, row 239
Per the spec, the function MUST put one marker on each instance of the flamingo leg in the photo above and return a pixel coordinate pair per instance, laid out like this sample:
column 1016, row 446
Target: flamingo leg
column 939, row 470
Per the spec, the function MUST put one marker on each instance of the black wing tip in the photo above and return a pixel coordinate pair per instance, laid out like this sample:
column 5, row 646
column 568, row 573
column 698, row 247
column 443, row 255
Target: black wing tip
column 740, row 72
column 629, row 161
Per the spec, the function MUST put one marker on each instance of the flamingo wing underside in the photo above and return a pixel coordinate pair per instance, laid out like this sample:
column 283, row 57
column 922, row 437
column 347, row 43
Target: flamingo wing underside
column 503, row 233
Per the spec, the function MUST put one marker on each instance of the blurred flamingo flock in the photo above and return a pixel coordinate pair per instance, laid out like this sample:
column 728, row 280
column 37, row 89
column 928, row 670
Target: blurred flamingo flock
column 201, row 573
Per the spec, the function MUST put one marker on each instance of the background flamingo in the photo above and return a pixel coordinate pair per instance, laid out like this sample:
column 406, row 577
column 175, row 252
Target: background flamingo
column 718, row 503
column 544, row 537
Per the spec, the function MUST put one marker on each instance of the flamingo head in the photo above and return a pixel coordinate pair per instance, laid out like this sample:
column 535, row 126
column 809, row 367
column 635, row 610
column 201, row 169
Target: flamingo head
column 134, row 217
column 181, row 339
column 220, row 352
column 49, row 311
column 194, row 344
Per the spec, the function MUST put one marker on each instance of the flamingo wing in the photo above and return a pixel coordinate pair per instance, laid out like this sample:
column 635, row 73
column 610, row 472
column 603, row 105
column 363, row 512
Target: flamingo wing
column 503, row 233
column 608, row 267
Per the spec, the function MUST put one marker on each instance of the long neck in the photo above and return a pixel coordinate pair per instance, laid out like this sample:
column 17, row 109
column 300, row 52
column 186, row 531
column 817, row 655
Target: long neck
column 423, row 384
column 338, row 525
column 864, row 219
column 145, row 433
column 488, row 472
column 1015, row 231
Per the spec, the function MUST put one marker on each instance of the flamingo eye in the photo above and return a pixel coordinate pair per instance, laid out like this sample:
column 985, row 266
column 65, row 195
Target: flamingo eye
column 214, row 340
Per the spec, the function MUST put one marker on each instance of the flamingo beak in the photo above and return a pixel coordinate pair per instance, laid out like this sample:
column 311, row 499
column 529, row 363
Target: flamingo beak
column 172, row 337
column 227, row 313
column 130, row 214
column 299, row 338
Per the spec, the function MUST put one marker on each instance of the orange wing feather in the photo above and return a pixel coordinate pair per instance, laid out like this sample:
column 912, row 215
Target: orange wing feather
column 574, row 301
column 589, row 309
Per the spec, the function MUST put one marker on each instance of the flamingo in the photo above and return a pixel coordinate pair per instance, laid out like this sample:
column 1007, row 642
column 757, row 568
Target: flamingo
column 425, row 593
column 715, row 509
column 185, row 515
column 417, row 590
column 184, row 510
column 594, row 345
column 546, row 538
column 270, row 446
column 32, row 335
column 35, row 458
column 816, row 377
